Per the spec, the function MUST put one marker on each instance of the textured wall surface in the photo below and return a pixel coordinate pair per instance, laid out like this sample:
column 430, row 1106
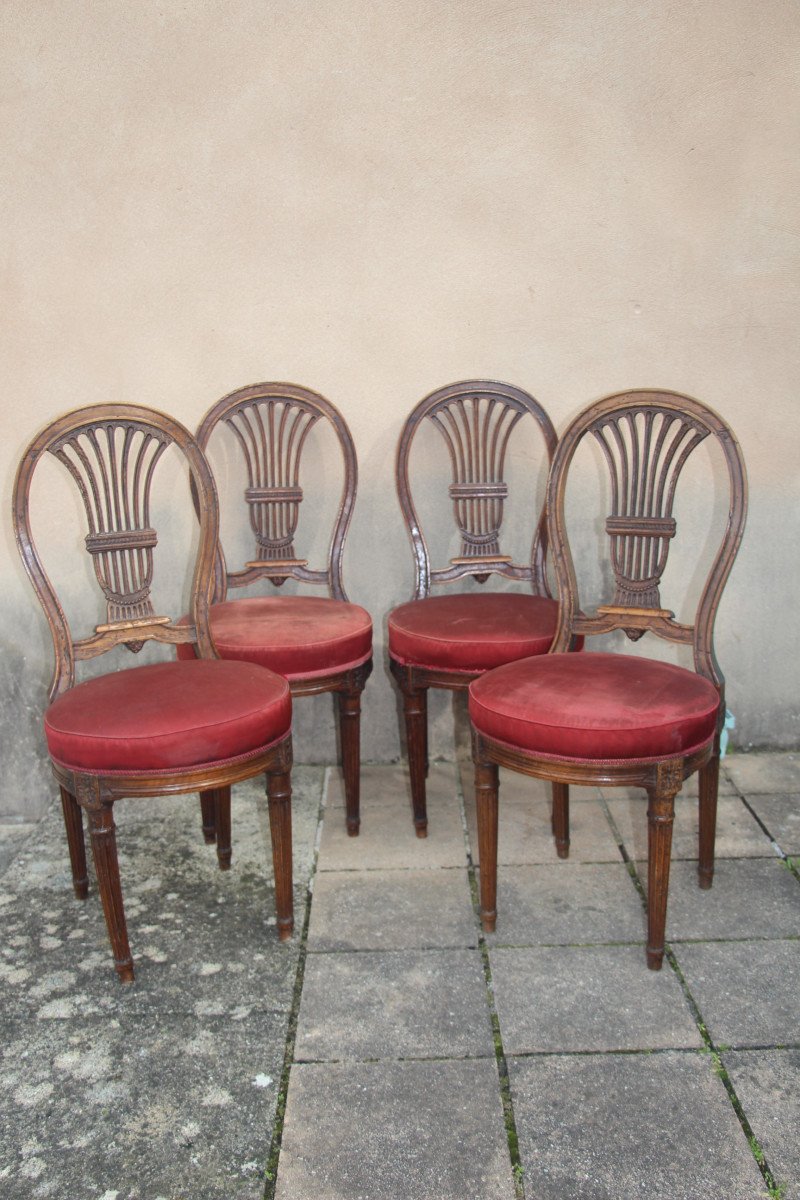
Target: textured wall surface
column 377, row 199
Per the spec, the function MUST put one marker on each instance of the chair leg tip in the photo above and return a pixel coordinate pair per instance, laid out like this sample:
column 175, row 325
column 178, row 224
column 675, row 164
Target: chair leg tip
column 705, row 880
column 562, row 850
column 488, row 922
column 655, row 959
column 421, row 830
column 125, row 971
column 353, row 828
column 209, row 837
column 81, row 889
column 224, row 862
column 285, row 930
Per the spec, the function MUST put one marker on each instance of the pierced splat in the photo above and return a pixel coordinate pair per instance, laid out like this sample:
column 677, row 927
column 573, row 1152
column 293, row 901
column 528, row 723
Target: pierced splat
column 476, row 430
column 112, row 463
column 271, row 432
column 645, row 452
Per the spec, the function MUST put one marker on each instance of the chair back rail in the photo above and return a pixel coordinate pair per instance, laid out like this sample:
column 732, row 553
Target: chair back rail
column 270, row 423
column 476, row 419
column 646, row 438
column 112, row 453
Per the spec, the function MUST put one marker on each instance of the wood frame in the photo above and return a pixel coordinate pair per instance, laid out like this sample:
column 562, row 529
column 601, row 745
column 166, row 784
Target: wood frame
column 476, row 419
column 111, row 452
column 646, row 438
column 271, row 422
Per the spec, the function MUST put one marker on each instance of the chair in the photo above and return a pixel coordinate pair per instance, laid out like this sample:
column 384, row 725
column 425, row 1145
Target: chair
column 318, row 643
column 168, row 727
column 446, row 641
column 609, row 718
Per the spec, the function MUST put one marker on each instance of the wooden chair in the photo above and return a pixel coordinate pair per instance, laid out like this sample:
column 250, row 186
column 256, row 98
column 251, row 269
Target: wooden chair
column 447, row 641
column 168, row 727
column 608, row 718
column 318, row 643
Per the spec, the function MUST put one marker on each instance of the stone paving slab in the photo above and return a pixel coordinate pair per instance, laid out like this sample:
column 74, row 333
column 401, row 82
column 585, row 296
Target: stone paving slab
column 768, row 1086
column 387, row 839
column 559, row 905
column 396, row 1004
column 165, row 1106
column 738, row 833
column 12, row 839
column 760, row 774
column 587, row 998
column 750, row 898
column 781, row 816
column 653, row 1126
column 395, row 1131
column 387, row 785
column 747, row 991
column 524, row 827
column 392, row 910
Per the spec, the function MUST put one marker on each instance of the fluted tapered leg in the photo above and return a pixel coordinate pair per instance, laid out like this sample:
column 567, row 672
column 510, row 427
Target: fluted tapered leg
column 104, row 849
column 73, row 823
column 415, row 709
column 561, row 818
column 660, row 818
column 222, row 825
column 350, row 734
column 708, row 784
column 279, row 796
column 487, row 779
column 208, row 817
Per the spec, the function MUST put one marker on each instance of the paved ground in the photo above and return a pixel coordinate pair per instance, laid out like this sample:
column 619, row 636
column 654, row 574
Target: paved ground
column 414, row 1058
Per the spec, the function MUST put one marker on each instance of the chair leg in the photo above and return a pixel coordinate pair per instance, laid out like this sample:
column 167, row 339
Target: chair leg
column 415, row 707
column 207, row 813
column 222, row 826
column 660, row 818
column 73, row 823
column 350, row 734
column 487, row 780
column 561, row 818
column 279, row 796
column 708, row 783
column 104, row 849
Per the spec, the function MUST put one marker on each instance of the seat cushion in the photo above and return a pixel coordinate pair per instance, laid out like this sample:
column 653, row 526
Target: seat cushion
column 471, row 631
column 167, row 716
column 297, row 636
column 595, row 706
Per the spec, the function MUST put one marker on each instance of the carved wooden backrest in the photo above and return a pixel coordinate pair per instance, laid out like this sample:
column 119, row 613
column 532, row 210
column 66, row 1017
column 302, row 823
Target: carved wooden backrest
column 112, row 453
column 475, row 419
column 271, row 422
column 646, row 438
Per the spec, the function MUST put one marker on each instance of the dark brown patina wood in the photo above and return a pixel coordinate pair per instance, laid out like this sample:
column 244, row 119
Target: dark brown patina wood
column 111, row 452
column 646, row 438
column 476, row 419
column 271, row 423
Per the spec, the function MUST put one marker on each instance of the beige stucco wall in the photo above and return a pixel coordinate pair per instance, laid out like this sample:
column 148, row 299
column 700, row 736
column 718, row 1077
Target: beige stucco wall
column 375, row 199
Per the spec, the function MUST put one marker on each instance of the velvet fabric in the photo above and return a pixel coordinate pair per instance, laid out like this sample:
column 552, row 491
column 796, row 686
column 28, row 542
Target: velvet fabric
column 299, row 637
column 595, row 706
column 471, row 631
column 168, row 716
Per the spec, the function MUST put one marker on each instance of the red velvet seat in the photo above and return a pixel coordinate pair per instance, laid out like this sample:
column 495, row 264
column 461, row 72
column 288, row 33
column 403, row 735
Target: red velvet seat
column 596, row 707
column 471, row 631
column 322, row 643
column 300, row 637
column 168, row 716
column 612, row 719
column 158, row 729
column 446, row 640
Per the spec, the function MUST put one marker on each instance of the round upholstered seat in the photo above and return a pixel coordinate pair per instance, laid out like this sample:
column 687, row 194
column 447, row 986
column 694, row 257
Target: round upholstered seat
column 168, row 716
column 296, row 636
column 471, row 631
column 602, row 707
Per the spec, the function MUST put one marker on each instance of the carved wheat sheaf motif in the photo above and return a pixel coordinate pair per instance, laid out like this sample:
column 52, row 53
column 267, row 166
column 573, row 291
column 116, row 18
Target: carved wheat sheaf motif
column 271, row 434
column 112, row 464
column 476, row 431
column 645, row 453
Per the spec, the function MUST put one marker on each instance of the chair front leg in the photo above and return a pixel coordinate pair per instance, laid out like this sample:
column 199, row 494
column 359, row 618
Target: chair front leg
column 208, row 817
column 279, row 797
column 660, row 819
column 350, row 736
column 73, row 823
column 415, row 711
column 222, row 826
column 708, row 785
column 104, row 849
column 487, row 782
column 561, row 818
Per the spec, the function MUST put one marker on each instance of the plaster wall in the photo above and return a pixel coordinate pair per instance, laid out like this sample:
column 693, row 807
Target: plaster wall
column 377, row 199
